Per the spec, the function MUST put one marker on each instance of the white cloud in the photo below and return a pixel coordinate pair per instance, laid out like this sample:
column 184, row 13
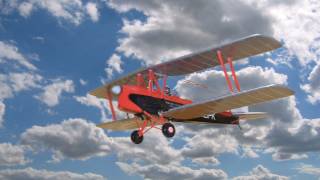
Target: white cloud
column 24, row 81
column 187, row 26
column 39, row 38
column 73, row 139
column 52, row 93
column 285, row 134
column 207, row 143
column 206, row 161
column 312, row 88
column 93, row 12
column 83, row 82
column 93, row 101
column 25, row 9
column 9, row 52
column 155, row 171
column 113, row 63
column 309, row 169
column 2, row 112
column 72, row 11
column 20, row 74
column 15, row 82
column 159, row 150
column 249, row 152
column 261, row 173
column 11, row 155
column 296, row 140
column 5, row 90
column 36, row 174
column 298, row 28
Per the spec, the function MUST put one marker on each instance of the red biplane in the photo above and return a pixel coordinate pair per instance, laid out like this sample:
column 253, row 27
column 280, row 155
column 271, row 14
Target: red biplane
column 152, row 104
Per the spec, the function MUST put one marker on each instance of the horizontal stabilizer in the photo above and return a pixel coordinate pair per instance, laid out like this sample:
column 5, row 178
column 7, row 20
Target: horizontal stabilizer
column 251, row 115
column 237, row 100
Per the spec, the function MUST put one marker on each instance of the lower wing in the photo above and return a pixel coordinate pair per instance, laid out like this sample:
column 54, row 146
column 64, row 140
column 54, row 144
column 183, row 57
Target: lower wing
column 237, row 100
column 125, row 124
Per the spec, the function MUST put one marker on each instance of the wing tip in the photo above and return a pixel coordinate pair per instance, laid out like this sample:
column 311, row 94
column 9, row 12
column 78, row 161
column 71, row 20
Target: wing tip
column 283, row 88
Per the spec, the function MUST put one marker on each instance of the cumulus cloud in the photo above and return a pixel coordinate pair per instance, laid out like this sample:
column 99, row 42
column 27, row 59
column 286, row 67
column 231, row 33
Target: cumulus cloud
column 11, row 155
column 206, row 161
column 297, row 140
column 93, row 12
column 285, row 134
column 20, row 74
column 261, row 173
column 2, row 112
column 297, row 28
column 206, row 144
column 9, row 52
column 73, row 139
column 25, row 9
column 159, row 150
column 24, row 81
column 93, row 101
column 72, row 11
column 36, row 174
column 113, row 64
column 175, row 28
column 12, row 83
column 156, row 171
column 312, row 88
column 15, row 82
column 309, row 169
column 52, row 93
column 83, row 82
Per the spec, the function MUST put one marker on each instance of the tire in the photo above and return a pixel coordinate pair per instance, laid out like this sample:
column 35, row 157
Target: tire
column 135, row 138
column 168, row 130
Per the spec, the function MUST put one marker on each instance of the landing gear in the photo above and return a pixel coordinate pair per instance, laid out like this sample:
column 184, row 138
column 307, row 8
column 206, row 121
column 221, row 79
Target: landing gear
column 168, row 130
column 135, row 138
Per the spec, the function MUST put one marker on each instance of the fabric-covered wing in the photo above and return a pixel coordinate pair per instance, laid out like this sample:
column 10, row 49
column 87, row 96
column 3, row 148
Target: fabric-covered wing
column 125, row 124
column 245, row 98
column 246, row 47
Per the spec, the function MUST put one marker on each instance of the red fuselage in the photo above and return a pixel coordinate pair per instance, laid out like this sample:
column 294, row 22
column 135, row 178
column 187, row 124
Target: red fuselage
column 137, row 99
column 130, row 96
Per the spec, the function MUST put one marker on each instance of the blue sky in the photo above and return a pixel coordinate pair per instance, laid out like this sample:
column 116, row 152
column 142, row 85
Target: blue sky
column 53, row 52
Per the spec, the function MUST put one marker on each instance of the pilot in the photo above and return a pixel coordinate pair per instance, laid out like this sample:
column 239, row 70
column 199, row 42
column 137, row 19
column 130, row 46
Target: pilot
column 167, row 91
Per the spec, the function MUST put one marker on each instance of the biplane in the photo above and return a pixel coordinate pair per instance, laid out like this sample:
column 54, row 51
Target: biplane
column 144, row 93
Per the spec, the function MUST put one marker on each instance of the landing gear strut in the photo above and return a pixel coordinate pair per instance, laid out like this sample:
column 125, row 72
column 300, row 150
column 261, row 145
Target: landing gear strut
column 135, row 138
column 168, row 130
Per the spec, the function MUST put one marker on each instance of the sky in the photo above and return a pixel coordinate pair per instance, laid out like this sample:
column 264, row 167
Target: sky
column 53, row 52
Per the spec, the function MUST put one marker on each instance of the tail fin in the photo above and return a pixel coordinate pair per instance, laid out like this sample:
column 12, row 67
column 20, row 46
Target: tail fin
column 251, row 115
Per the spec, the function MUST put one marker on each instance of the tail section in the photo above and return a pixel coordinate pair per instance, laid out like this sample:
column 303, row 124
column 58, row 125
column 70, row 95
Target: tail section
column 251, row 115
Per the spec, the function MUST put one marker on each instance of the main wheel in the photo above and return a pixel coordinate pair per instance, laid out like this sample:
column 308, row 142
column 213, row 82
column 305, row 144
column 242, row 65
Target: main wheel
column 168, row 130
column 135, row 138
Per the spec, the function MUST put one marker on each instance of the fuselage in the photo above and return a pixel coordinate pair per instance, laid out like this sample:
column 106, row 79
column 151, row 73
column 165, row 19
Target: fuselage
column 137, row 99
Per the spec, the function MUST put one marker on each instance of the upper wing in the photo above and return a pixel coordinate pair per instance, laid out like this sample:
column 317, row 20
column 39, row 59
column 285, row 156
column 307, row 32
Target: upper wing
column 198, row 61
column 234, row 101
